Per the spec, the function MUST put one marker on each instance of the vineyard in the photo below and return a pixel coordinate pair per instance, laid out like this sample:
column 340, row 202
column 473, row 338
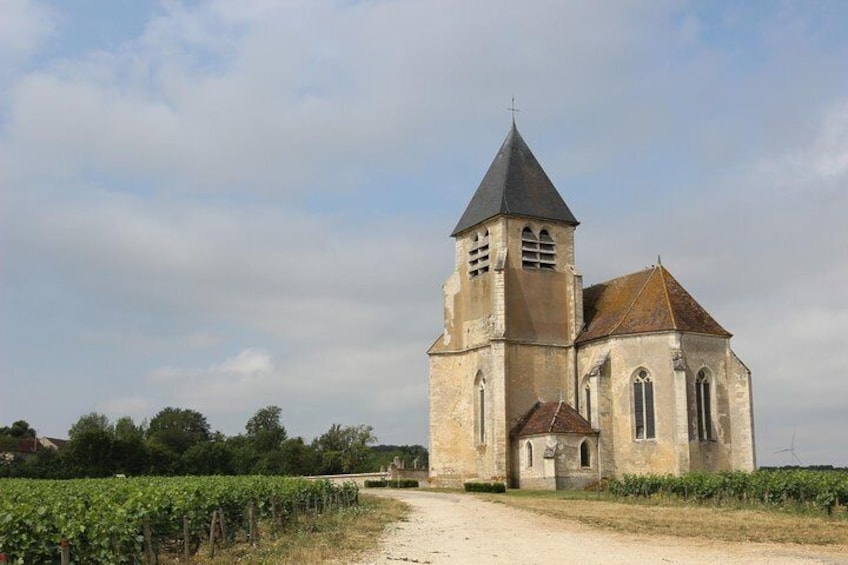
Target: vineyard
column 134, row 520
column 822, row 490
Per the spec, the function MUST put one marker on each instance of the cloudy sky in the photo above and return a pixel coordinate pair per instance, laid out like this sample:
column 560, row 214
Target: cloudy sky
column 224, row 205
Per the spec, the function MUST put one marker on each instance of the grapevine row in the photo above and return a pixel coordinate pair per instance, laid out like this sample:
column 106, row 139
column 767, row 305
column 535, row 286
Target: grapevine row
column 824, row 489
column 104, row 520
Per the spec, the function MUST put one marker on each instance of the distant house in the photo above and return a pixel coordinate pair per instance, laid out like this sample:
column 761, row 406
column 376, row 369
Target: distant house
column 29, row 446
column 24, row 448
column 53, row 443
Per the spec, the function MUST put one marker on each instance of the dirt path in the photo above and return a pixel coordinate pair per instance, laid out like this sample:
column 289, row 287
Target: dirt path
column 455, row 529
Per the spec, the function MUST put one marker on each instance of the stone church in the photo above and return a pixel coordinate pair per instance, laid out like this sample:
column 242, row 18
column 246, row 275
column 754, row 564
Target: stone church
column 540, row 383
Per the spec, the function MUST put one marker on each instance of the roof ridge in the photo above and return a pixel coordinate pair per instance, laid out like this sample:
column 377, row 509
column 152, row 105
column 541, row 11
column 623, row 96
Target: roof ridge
column 510, row 144
column 618, row 278
column 632, row 304
column 667, row 297
column 551, row 428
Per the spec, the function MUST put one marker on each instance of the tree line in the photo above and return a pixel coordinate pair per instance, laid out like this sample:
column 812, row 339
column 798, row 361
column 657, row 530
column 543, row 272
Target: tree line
column 179, row 441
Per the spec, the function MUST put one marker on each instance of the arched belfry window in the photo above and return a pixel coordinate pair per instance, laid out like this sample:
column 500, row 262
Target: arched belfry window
column 537, row 252
column 480, row 408
column 547, row 251
column 585, row 454
column 528, row 450
column 703, row 405
column 529, row 249
column 643, row 405
column 478, row 254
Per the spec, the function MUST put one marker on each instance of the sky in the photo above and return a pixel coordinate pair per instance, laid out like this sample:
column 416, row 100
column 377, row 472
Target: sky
column 225, row 205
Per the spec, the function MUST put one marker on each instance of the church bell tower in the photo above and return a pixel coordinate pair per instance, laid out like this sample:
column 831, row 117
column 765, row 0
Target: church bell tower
column 513, row 309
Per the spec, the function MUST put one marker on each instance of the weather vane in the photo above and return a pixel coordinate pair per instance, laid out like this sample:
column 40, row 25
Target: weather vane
column 513, row 109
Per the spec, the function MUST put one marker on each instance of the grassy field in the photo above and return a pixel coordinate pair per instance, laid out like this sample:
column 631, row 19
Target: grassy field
column 676, row 518
column 337, row 537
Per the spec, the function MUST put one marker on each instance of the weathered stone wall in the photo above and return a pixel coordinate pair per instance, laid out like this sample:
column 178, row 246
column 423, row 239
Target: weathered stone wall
column 742, row 434
column 710, row 354
column 629, row 354
column 534, row 373
column 456, row 454
column 603, row 415
column 539, row 303
column 556, row 462
column 673, row 360
column 514, row 327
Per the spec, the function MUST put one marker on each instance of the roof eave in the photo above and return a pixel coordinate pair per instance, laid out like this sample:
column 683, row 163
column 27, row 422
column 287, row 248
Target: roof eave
column 463, row 231
column 581, row 340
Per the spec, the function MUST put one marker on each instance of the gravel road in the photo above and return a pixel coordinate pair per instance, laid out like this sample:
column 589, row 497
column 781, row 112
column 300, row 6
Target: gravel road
column 455, row 529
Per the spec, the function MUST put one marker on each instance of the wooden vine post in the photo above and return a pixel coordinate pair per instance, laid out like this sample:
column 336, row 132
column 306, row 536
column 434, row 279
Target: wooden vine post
column 212, row 534
column 149, row 555
column 251, row 520
column 186, row 540
column 223, row 523
column 65, row 551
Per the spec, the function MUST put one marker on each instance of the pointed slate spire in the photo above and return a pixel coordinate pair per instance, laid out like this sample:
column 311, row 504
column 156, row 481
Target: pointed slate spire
column 515, row 185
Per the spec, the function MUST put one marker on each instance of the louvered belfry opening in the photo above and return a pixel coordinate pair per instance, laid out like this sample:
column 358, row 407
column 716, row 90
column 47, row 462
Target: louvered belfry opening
column 478, row 254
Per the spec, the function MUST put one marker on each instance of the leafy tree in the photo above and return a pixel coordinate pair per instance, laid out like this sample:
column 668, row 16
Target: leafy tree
column 46, row 464
column 298, row 458
column 208, row 458
column 245, row 457
column 130, row 453
column 91, row 422
column 178, row 429
column 344, row 449
column 384, row 455
column 90, row 453
column 161, row 460
column 20, row 429
column 265, row 430
column 126, row 429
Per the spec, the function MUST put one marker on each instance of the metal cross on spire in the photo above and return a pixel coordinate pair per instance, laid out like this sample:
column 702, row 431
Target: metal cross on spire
column 513, row 109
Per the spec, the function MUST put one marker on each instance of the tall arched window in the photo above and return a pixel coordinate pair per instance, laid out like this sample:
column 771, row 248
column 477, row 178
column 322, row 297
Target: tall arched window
column 588, row 403
column 480, row 408
column 528, row 449
column 585, row 454
column 702, row 403
column 643, row 405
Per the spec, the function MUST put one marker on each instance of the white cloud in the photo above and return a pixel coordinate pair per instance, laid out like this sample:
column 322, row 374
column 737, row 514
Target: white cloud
column 234, row 385
column 285, row 174
column 133, row 406
column 24, row 27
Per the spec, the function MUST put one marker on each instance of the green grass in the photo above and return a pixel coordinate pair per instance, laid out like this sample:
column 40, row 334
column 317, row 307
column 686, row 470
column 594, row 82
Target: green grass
column 676, row 517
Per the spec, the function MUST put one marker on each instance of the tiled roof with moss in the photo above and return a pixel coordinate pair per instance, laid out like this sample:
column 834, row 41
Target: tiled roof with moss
column 647, row 301
column 556, row 417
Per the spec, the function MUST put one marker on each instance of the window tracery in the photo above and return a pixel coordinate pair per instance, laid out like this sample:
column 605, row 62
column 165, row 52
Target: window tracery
column 643, row 405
